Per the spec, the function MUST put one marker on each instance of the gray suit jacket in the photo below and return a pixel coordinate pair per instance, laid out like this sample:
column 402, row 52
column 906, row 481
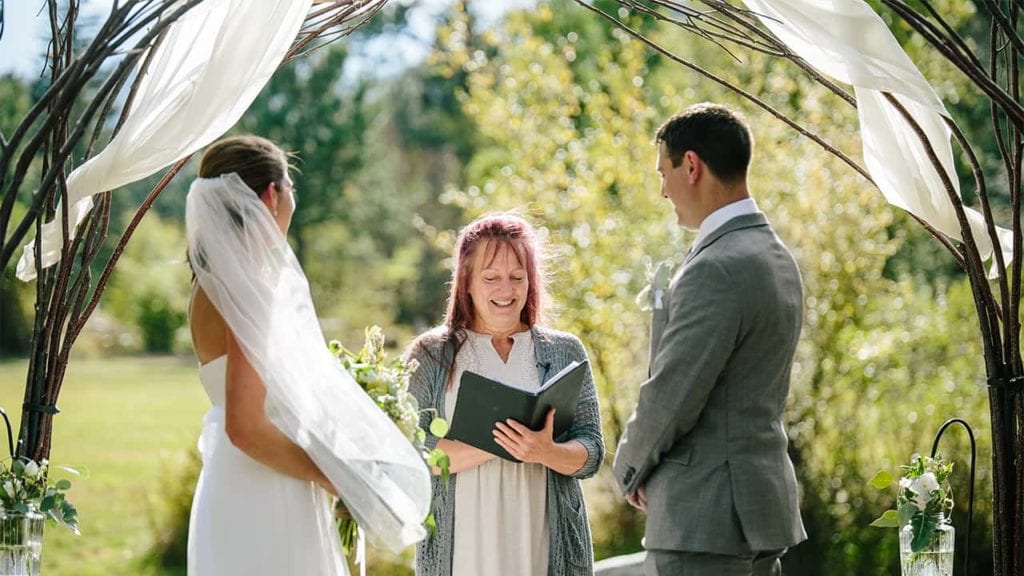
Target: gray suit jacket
column 706, row 439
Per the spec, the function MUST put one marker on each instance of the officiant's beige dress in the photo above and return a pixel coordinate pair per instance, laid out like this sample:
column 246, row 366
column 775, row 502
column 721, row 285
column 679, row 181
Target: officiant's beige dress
column 501, row 522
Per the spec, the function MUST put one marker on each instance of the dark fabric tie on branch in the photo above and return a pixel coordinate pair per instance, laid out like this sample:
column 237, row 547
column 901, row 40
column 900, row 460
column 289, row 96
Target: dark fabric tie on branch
column 1009, row 384
column 41, row 408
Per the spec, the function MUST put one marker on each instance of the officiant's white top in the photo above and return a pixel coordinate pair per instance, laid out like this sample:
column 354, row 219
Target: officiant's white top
column 501, row 522
column 250, row 520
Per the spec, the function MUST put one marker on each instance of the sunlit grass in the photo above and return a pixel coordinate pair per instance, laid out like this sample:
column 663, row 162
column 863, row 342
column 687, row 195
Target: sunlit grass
column 128, row 424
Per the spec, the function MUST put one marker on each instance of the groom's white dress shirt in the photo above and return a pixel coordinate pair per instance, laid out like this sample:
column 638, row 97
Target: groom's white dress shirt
column 719, row 217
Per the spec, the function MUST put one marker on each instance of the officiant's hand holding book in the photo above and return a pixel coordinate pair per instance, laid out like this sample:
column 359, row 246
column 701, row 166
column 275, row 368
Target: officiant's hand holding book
column 484, row 402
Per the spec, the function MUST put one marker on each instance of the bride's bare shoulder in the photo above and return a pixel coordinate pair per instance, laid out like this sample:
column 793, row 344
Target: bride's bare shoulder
column 209, row 333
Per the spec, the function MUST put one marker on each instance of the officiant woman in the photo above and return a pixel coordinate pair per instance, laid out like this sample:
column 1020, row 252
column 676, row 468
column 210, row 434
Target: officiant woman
column 495, row 516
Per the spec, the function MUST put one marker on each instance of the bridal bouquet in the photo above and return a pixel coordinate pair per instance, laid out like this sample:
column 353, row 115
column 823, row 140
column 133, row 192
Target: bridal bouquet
column 387, row 383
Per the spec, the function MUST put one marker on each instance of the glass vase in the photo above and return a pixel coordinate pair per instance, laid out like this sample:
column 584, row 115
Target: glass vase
column 21, row 543
column 936, row 558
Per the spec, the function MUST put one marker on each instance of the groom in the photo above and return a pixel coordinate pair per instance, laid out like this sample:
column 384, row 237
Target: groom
column 705, row 451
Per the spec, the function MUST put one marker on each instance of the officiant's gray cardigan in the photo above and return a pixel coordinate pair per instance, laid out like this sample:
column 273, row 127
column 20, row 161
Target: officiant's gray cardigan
column 571, row 552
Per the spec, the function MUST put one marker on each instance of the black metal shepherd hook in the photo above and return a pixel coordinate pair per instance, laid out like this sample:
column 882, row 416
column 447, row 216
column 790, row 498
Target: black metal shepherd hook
column 970, row 493
column 10, row 433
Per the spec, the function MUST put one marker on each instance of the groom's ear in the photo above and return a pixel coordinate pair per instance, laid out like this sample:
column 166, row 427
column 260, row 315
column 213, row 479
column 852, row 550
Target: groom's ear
column 692, row 166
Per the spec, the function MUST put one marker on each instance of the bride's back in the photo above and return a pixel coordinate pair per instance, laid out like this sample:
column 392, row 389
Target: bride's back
column 209, row 333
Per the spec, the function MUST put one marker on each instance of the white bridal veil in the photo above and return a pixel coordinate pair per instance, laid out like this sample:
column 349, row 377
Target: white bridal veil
column 245, row 266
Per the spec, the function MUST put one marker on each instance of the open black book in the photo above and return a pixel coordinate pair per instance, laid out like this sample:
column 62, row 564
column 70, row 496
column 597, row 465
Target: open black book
column 484, row 402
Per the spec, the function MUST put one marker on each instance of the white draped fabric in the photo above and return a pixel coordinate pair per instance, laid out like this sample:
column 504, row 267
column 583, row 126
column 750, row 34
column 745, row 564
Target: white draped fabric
column 243, row 263
column 211, row 66
column 218, row 57
column 847, row 40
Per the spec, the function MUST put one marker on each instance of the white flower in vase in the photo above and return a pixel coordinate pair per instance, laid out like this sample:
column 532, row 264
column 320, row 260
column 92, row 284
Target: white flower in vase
column 923, row 486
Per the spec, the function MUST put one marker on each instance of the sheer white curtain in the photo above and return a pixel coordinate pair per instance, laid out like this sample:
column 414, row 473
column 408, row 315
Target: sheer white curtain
column 211, row 66
column 847, row 40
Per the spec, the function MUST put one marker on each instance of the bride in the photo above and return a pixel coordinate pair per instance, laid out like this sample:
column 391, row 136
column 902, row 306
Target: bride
column 288, row 428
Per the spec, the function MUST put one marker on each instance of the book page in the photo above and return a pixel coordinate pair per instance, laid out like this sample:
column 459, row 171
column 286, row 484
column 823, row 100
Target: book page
column 561, row 373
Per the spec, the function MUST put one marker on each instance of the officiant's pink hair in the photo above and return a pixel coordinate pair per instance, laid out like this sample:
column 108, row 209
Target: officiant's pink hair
column 491, row 233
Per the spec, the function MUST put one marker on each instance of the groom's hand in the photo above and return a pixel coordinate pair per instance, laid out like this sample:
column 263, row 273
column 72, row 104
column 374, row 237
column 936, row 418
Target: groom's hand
column 638, row 498
column 525, row 444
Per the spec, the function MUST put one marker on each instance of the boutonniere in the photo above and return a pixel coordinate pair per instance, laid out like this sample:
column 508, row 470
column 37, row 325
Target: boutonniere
column 652, row 297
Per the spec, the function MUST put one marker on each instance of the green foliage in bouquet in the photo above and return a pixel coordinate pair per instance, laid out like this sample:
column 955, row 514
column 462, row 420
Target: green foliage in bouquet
column 23, row 489
column 386, row 381
column 924, row 497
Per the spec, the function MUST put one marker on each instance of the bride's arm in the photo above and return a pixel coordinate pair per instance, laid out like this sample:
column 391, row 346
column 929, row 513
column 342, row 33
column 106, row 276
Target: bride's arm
column 249, row 429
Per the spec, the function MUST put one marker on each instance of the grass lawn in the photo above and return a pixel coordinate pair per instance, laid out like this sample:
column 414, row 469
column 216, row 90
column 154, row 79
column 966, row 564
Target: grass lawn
column 129, row 424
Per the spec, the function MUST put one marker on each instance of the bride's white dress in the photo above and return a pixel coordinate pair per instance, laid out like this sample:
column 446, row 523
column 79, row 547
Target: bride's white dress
column 248, row 519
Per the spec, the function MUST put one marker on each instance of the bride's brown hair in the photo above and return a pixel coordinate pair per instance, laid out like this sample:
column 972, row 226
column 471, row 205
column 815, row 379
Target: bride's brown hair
column 256, row 160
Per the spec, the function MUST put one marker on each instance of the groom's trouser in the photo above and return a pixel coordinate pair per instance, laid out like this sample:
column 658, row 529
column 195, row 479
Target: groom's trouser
column 675, row 563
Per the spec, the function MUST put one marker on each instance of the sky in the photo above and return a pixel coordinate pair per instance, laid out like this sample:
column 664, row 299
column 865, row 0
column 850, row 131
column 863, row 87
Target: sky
column 23, row 41
column 26, row 31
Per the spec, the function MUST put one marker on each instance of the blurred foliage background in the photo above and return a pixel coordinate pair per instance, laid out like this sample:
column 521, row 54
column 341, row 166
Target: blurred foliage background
column 549, row 111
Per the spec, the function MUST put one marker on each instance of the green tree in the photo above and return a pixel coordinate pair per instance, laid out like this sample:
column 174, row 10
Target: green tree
column 15, row 296
column 374, row 154
column 309, row 110
column 575, row 155
column 146, row 291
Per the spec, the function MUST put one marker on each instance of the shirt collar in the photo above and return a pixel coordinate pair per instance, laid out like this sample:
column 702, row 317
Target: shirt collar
column 719, row 217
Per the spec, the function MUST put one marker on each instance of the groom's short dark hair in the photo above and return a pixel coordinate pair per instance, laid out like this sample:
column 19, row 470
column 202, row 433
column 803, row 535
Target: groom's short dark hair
column 717, row 134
